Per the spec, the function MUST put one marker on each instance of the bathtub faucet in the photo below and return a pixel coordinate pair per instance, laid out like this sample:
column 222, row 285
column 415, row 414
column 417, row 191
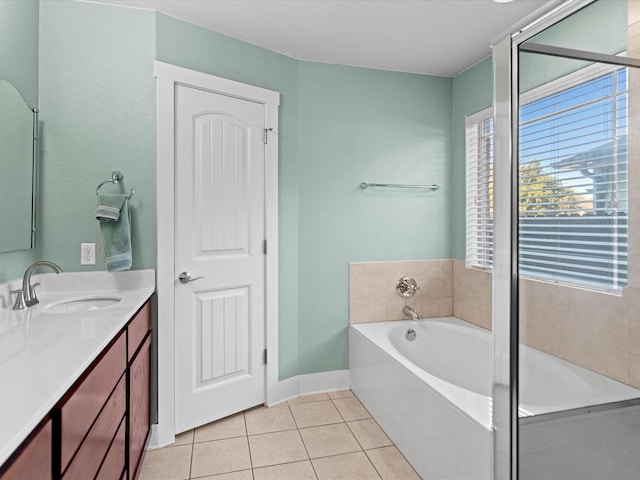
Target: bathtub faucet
column 407, row 310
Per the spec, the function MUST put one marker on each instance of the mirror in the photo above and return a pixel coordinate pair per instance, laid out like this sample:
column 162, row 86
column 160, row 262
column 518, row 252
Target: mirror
column 17, row 174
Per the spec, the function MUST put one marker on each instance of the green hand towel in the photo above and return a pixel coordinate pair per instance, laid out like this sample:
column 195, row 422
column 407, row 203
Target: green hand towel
column 116, row 240
column 109, row 207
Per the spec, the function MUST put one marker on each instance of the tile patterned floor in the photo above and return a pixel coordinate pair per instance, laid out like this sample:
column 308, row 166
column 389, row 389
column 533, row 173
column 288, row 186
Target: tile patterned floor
column 315, row 437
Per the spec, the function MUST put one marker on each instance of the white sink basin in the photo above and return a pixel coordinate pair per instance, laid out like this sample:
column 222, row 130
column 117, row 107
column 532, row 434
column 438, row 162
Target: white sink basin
column 81, row 304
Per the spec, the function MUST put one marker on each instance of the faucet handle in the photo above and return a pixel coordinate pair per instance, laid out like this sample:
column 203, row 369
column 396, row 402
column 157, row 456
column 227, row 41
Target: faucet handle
column 20, row 303
column 407, row 287
column 32, row 294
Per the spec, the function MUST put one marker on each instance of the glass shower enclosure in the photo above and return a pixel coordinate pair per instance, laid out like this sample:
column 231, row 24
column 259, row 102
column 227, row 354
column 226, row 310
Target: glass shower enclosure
column 566, row 250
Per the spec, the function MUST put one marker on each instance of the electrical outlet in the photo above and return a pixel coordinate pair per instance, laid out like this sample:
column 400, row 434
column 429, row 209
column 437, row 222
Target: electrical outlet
column 87, row 254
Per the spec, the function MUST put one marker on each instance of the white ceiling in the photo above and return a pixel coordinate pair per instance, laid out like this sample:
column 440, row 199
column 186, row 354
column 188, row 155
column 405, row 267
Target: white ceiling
column 435, row 37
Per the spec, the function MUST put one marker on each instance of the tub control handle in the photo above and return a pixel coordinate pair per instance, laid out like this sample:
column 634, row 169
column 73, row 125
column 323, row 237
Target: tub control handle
column 407, row 287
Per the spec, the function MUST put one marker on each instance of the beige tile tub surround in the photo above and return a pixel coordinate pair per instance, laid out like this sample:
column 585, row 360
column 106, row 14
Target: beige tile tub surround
column 596, row 330
column 589, row 328
column 472, row 295
column 373, row 296
column 272, row 444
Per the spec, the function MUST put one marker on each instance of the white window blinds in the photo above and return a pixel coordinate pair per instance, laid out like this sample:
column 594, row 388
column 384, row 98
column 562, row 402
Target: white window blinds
column 479, row 228
column 573, row 181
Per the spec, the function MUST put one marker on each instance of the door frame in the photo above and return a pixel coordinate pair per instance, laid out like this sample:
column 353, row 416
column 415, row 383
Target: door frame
column 167, row 76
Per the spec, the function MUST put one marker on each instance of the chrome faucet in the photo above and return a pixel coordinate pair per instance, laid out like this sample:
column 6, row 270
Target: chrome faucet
column 27, row 294
column 407, row 310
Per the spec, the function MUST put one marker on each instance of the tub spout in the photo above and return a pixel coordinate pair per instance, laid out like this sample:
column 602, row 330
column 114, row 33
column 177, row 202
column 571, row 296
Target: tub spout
column 407, row 310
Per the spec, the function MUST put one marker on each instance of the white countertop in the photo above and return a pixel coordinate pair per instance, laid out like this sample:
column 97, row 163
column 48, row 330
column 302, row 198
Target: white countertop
column 42, row 354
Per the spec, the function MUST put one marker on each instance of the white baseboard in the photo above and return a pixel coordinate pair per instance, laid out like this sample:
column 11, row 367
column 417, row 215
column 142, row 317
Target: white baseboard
column 154, row 440
column 285, row 390
column 309, row 383
column 324, row 382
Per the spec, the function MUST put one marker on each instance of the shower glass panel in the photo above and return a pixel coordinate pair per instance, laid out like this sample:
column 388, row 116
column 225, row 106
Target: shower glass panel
column 579, row 247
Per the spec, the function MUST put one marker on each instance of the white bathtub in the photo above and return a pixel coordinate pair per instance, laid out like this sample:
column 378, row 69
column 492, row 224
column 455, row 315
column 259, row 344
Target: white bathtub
column 433, row 395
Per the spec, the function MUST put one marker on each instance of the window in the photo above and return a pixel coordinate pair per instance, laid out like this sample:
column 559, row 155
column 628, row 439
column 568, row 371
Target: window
column 573, row 181
column 479, row 151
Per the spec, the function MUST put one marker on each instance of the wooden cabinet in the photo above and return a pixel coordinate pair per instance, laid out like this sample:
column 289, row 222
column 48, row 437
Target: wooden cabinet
column 139, row 372
column 33, row 459
column 113, row 467
column 93, row 409
column 137, row 330
column 94, row 447
column 100, row 427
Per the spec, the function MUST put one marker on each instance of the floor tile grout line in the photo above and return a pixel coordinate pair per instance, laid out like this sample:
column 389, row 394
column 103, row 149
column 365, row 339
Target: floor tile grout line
column 354, row 436
column 337, row 454
column 220, row 439
column 275, row 431
column 398, row 450
column 221, row 473
column 373, row 465
column 321, row 425
column 365, row 409
column 304, row 444
column 295, row 422
column 191, row 456
column 308, row 455
column 351, row 453
column 246, row 436
column 307, row 403
column 339, row 412
column 286, row 463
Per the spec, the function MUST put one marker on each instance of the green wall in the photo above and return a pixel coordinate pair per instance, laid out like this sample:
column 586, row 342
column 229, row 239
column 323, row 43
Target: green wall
column 339, row 126
column 19, row 65
column 472, row 92
column 364, row 125
column 97, row 103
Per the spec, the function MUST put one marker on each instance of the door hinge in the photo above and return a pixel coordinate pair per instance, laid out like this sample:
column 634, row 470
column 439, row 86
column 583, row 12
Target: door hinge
column 264, row 247
column 265, row 356
column 266, row 135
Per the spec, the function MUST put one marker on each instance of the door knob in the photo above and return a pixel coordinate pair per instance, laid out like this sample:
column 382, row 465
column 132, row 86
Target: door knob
column 185, row 277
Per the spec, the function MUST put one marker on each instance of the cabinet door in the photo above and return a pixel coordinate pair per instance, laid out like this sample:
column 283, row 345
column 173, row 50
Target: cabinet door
column 94, row 447
column 139, row 372
column 137, row 329
column 113, row 465
column 81, row 406
column 34, row 462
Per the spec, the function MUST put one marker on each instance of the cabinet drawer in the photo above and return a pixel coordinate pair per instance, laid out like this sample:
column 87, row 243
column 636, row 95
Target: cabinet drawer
column 94, row 447
column 34, row 461
column 139, row 406
column 138, row 328
column 81, row 408
column 113, row 464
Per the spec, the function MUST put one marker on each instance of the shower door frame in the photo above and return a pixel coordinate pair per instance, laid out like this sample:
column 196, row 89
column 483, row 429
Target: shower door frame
column 505, row 234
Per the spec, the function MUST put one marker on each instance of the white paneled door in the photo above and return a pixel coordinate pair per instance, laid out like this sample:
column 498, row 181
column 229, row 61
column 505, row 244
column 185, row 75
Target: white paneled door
column 219, row 255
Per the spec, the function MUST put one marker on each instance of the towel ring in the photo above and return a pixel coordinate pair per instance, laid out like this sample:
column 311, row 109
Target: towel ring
column 116, row 177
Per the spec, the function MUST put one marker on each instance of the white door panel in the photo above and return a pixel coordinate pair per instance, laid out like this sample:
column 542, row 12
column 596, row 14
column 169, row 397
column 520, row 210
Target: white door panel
column 219, row 219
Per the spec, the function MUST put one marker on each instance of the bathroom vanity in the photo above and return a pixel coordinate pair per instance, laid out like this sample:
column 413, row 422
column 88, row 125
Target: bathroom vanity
column 75, row 372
